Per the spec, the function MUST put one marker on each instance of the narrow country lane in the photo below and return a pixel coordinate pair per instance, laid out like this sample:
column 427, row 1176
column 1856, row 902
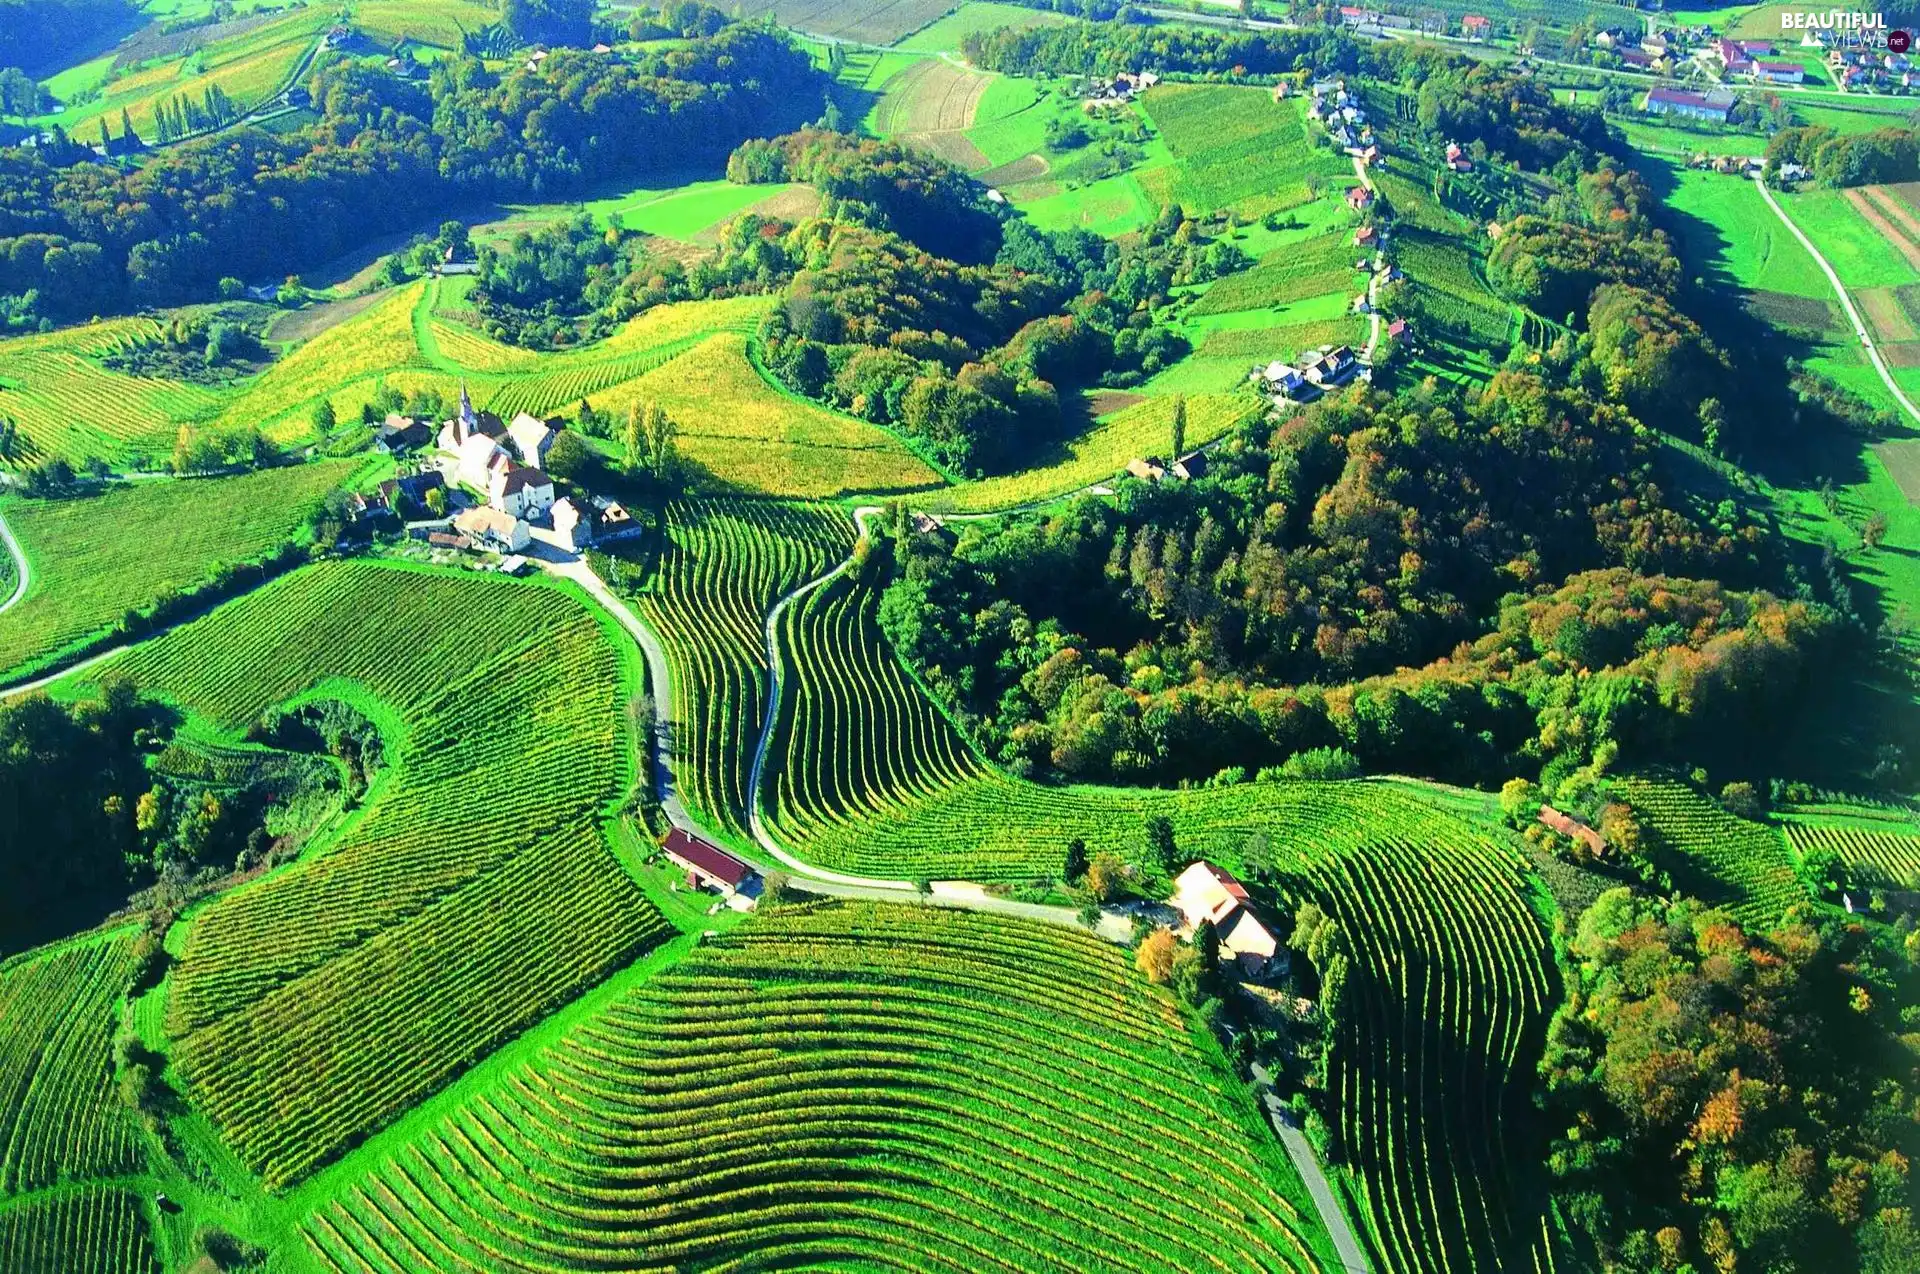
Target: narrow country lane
column 23, row 574
column 1353, row 1258
column 1846, row 302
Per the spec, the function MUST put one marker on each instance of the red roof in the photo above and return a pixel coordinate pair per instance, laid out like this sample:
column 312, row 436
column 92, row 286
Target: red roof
column 707, row 859
column 1567, row 825
column 1475, row 20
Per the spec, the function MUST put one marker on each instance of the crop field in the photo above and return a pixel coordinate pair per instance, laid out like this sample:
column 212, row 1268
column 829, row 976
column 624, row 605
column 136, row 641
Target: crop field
column 1100, row 452
column 1856, row 249
column 928, row 97
column 945, row 35
column 1434, row 1075
column 1453, row 296
column 1715, row 855
column 64, row 403
column 95, row 1230
column 94, row 559
column 1236, row 147
column 1317, row 267
column 60, row 1118
column 747, row 436
column 248, row 65
column 858, row 21
column 853, row 1086
column 436, row 22
column 856, row 734
column 1885, row 856
column 313, row 1006
column 1248, row 345
column 1890, row 219
column 724, row 564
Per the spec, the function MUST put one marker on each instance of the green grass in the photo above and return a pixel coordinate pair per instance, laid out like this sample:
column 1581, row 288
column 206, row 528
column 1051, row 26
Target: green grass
column 680, row 212
column 1850, row 244
column 1725, row 226
column 870, row 1079
column 1318, row 267
column 95, row 559
column 1237, row 147
column 1110, row 206
column 436, row 22
column 945, row 35
column 316, row 1004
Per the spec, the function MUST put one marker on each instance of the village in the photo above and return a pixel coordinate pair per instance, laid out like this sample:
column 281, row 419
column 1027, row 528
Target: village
column 481, row 489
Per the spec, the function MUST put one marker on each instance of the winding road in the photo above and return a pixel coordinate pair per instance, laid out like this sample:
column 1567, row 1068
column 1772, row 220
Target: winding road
column 23, row 574
column 1846, row 302
column 1353, row 1257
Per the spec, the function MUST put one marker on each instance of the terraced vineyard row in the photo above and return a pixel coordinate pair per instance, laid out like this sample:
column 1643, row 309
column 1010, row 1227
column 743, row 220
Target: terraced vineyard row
column 850, row 1086
column 313, row 1006
column 549, row 392
column 1875, row 856
column 1453, row 971
column 60, row 1118
column 92, row 1231
column 857, row 735
column 1716, row 856
column 723, row 565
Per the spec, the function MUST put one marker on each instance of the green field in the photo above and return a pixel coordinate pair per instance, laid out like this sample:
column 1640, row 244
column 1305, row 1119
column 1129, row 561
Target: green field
column 945, row 35
column 92, row 560
column 318, row 1003
column 869, row 1081
column 1237, row 148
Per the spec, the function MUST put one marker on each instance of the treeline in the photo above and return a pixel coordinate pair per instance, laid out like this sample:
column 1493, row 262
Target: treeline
column 36, row 35
column 384, row 154
column 1735, row 1100
column 1181, row 630
column 1879, row 157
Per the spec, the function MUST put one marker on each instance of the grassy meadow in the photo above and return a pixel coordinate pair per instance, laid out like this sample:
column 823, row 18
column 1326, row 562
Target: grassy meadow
column 92, row 560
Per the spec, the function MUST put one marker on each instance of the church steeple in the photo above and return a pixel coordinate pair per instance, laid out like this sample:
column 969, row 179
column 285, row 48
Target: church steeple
column 469, row 423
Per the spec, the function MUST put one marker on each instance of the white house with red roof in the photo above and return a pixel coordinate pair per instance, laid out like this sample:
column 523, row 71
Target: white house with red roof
column 1206, row 894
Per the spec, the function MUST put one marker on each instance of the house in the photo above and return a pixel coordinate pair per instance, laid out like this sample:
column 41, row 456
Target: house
column 1147, row 468
column 1282, row 379
column 411, row 490
column 477, row 460
column 514, row 564
column 1358, row 197
column 1457, row 159
column 490, row 528
column 1369, row 155
column 1191, row 466
column 1334, row 365
column 1476, row 27
column 1779, row 72
column 1396, row 329
column 603, row 48
column 1365, row 237
column 1714, row 105
column 1794, row 172
column 706, row 865
column 1205, row 894
column 401, row 434
column 1638, row 59
column 336, row 38
column 614, row 520
column 1577, row 829
column 520, row 491
column 926, row 524
column 532, row 438
column 448, row 540
column 572, row 525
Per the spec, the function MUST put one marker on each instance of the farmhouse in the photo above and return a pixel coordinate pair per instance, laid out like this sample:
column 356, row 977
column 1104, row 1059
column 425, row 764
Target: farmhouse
column 1476, row 27
column 1282, row 380
column 1365, row 237
column 1714, row 105
column 1205, row 894
column 402, row 433
column 532, row 438
column 1779, row 72
column 490, row 528
column 1334, row 366
column 706, row 865
column 572, row 525
column 520, row 491
column 1147, row 468
column 1577, row 829
column 1190, row 466
column 614, row 520
column 1457, row 159
column 1358, row 197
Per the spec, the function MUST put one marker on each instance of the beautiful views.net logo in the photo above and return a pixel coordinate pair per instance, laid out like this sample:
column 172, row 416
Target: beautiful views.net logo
column 1832, row 20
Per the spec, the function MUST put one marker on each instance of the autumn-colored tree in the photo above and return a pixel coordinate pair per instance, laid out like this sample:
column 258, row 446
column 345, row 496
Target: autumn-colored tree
column 1106, row 877
column 1155, row 956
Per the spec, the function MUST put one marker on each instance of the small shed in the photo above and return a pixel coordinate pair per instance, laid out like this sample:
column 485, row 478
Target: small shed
column 706, row 864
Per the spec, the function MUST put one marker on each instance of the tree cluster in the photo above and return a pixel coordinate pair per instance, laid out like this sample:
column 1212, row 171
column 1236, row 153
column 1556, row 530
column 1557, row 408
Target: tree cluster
column 1729, row 1100
column 1881, row 156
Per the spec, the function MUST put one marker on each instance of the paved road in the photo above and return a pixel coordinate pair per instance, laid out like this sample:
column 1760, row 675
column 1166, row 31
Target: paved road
column 1846, row 302
column 1352, row 1256
column 1373, row 280
column 21, row 570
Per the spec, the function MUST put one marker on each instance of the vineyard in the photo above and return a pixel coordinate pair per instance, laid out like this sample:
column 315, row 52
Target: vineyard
column 1713, row 854
column 856, row 734
column 65, row 404
column 60, row 1119
column 1875, row 856
column 93, row 1231
column 851, row 1086
column 1312, row 268
column 724, row 564
column 316, row 1004
column 1236, row 146
column 1454, row 972
column 93, row 560
column 1143, row 428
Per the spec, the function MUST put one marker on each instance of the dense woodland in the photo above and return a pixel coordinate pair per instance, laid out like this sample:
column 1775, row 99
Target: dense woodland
column 89, row 238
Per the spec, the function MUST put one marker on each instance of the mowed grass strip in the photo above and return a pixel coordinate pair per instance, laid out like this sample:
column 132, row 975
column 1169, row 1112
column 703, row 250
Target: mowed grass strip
column 94, row 559
column 870, row 1080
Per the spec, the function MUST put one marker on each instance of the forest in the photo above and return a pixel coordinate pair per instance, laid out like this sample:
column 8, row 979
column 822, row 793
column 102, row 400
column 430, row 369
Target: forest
column 90, row 238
